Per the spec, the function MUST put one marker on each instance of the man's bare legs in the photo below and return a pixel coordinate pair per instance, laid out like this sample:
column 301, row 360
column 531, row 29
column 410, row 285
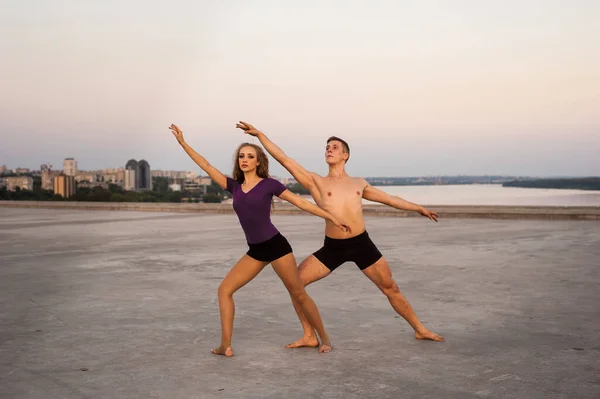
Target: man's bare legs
column 287, row 271
column 311, row 270
column 244, row 271
column 381, row 275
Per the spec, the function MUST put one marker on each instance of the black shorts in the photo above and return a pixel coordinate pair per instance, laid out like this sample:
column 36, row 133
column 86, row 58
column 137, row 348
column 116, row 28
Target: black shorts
column 359, row 249
column 270, row 250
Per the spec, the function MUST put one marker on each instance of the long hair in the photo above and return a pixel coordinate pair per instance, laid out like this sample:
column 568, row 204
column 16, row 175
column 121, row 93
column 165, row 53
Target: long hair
column 262, row 169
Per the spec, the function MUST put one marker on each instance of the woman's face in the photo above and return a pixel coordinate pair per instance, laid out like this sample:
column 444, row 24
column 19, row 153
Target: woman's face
column 247, row 159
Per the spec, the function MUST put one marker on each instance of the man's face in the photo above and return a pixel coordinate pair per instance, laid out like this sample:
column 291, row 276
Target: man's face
column 334, row 153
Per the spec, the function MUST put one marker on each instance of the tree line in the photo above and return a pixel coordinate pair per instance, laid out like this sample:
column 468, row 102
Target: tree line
column 114, row 193
column 586, row 183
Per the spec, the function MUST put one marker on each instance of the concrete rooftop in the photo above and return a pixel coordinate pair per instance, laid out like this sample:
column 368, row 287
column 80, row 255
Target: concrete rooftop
column 101, row 304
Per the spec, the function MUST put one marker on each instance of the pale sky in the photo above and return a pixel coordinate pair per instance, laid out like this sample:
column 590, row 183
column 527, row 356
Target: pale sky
column 416, row 87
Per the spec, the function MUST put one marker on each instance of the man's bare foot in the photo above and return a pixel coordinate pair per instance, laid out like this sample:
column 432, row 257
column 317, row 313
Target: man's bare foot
column 311, row 342
column 220, row 351
column 429, row 335
column 325, row 347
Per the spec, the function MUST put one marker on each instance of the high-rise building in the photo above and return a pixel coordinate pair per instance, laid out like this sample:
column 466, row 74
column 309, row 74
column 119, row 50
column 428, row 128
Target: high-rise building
column 48, row 179
column 130, row 181
column 138, row 175
column 144, row 177
column 3, row 169
column 131, row 173
column 64, row 185
column 70, row 167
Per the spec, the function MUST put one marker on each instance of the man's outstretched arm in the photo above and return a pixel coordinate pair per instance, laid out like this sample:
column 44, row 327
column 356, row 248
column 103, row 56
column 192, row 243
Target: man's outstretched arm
column 301, row 175
column 372, row 194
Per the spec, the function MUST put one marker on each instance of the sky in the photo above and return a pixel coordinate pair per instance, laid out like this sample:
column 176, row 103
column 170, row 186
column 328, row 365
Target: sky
column 417, row 88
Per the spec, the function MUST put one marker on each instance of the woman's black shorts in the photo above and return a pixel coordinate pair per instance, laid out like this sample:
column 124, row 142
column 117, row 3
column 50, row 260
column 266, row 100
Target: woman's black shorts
column 270, row 250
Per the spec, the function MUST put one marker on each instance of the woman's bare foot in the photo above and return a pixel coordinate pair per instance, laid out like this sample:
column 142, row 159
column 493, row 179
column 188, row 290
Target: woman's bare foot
column 311, row 342
column 220, row 351
column 429, row 335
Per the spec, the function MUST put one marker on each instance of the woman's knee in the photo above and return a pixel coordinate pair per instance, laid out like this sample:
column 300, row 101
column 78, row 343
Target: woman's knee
column 224, row 291
column 299, row 295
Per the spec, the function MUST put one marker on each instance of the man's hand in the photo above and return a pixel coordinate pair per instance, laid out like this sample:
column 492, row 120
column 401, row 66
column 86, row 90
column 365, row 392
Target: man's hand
column 248, row 128
column 177, row 133
column 429, row 214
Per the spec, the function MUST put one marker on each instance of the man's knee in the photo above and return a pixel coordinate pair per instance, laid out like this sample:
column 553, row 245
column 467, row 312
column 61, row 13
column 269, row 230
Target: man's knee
column 311, row 270
column 304, row 274
column 390, row 288
column 305, row 279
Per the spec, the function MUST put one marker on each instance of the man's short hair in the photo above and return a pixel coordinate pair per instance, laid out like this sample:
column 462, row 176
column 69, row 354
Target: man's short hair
column 345, row 145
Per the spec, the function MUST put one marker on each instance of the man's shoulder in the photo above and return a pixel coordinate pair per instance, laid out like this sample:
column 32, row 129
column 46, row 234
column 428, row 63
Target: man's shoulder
column 358, row 180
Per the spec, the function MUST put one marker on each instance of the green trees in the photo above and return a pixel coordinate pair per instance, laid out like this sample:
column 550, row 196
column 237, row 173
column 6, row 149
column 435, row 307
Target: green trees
column 587, row 183
column 212, row 198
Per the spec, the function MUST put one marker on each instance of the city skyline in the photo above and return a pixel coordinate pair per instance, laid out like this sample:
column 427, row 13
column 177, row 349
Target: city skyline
column 416, row 88
column 197, row 172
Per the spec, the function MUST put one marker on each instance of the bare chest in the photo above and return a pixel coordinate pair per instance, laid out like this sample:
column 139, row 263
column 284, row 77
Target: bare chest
column 340, row 193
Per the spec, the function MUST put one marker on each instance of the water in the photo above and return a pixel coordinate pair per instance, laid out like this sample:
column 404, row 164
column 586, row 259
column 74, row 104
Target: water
column 492, row 194
column 489, row 194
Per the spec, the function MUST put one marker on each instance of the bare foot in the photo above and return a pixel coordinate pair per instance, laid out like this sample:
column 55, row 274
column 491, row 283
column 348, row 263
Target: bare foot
column 325, row 347
column 311, row 342
column 429, row 335
column 220, row 351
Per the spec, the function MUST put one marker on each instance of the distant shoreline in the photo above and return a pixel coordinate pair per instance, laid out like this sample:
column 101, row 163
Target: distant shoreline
column 584, row 184
column 445, row 211
column 536, row 184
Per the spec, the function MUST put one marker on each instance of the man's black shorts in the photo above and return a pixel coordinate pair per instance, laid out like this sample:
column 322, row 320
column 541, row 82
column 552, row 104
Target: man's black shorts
column 359, row 249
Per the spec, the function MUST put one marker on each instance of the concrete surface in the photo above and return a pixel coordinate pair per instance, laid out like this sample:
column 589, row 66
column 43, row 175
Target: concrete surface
column 445, row 211
column 123, row 305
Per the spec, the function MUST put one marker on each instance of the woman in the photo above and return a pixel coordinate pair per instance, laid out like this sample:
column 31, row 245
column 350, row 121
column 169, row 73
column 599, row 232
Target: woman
column 252, row 190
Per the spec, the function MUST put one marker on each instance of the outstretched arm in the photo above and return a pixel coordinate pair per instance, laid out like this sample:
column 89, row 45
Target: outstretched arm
column 372, row 194
column 309, row 207
column 213, row 172
column 302, row 176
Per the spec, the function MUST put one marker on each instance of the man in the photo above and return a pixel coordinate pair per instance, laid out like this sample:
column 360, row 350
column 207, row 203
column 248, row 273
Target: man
column 341, row 195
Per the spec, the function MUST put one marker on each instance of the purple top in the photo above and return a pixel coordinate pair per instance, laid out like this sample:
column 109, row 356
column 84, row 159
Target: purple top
column 254, row 208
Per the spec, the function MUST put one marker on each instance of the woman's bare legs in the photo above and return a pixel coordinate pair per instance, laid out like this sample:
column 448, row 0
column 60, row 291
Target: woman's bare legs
column 286, row 269
column 244, row 271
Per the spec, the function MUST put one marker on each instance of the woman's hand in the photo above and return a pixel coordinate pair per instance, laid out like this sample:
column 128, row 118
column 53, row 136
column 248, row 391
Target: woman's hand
column 177, row 133
column 345, row 227
column 248, row 128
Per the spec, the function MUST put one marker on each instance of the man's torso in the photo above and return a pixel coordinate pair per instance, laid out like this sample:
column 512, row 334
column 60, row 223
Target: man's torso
column 342, row 197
